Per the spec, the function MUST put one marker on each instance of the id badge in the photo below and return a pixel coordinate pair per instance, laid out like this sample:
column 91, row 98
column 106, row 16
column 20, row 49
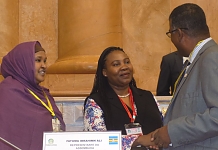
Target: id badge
column 56, row 125
column 133, row 128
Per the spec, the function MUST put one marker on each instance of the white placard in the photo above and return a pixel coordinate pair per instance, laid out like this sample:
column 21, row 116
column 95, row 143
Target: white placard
column 109, row 140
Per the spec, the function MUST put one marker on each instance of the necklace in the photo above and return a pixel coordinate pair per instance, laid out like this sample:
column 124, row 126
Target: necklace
column 123, row 96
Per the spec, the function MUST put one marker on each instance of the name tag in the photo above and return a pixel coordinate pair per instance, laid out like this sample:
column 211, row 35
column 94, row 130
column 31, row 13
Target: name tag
column 108, row 140
column 56, row 125
column 133, row 128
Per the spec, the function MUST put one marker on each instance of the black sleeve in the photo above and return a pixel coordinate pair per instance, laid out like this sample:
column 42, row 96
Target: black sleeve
column 163, row 86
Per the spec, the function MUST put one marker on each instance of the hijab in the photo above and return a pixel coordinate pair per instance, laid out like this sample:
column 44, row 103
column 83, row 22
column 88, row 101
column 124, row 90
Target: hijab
column 23, row 118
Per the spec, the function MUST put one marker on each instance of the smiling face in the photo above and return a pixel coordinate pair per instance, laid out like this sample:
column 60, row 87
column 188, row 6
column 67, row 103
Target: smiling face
column 40, row 66
column 118, row 69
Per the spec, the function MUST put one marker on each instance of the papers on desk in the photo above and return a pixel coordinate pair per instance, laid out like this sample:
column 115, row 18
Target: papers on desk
column 110, row 140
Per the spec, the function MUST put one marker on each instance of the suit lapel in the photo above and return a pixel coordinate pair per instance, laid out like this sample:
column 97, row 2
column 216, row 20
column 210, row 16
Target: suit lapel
column 114, row 100
column 179, row 62
column 136, row 95
column 206, row 46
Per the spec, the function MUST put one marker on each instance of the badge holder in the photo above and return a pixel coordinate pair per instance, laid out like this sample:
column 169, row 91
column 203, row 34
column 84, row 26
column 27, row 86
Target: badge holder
column 56, row 125
column 133, row 128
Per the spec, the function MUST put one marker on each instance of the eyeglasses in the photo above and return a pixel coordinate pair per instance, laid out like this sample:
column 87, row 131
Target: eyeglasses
column 170, row 32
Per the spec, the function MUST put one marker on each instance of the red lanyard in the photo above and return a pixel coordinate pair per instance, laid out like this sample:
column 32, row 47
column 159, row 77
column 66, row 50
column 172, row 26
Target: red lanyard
column 132, row 117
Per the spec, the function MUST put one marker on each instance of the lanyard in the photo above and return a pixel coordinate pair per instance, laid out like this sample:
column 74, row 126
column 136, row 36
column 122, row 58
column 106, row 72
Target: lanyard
column 132, row 117
column 181, row 76
column 49, row 107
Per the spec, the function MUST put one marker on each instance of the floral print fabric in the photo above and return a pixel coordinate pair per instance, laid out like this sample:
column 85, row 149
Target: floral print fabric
column 94, row 121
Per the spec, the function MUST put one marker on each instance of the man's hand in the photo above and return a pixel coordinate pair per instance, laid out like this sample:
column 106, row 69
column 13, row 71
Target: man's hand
column 145, row 140
column 161, row 137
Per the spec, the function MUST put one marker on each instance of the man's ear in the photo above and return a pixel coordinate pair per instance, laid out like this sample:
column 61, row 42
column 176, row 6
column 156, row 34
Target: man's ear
column 180, row 35
column 104, row 72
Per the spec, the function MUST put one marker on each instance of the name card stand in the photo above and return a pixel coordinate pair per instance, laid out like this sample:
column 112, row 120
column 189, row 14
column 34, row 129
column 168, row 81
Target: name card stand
column 110, row 140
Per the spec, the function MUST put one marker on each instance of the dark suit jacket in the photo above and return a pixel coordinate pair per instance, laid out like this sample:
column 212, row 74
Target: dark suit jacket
column 171, row 66
column 115, row 115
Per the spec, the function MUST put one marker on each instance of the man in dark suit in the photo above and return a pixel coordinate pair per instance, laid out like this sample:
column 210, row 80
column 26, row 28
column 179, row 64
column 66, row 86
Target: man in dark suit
column 170, row 68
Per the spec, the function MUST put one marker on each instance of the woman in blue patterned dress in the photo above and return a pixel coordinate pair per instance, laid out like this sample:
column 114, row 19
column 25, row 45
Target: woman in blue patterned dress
column 115, row 100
